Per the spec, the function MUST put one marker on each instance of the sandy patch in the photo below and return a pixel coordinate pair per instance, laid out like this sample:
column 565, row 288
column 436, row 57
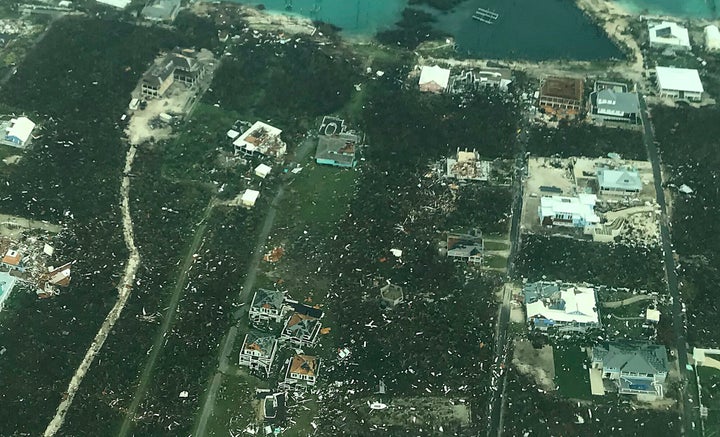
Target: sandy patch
column 538, row 363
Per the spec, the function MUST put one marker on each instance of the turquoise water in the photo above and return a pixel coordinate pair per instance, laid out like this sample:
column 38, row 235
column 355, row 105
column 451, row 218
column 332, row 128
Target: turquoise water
column 526, row 29
column 355, row 17
column 680, row 8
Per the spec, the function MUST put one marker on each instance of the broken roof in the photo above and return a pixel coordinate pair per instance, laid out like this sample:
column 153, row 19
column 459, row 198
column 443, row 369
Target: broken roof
column 633, row 357
column 263, row 344
column 568, row 304
column 12, row 257
column 263, row 138
column 269, row 299
column 304, row 365
column 338, row 147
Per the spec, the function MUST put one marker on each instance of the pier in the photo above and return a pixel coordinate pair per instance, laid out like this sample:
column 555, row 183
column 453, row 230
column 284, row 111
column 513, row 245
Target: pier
column 485, row 15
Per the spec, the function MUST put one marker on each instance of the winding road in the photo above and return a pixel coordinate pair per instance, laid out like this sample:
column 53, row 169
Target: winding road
column 124, row 291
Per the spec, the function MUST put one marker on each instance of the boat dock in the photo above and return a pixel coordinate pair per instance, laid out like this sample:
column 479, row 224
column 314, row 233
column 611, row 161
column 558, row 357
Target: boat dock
column 485, row 15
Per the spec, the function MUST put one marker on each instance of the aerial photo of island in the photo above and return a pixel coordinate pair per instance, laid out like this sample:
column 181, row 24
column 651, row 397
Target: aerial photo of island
column 359, row 218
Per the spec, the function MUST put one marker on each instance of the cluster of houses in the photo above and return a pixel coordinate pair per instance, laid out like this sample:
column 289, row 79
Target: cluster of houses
column 26, row 263
column 435, row 79
column 301, row 326
column 636, row 367
column 579, row 211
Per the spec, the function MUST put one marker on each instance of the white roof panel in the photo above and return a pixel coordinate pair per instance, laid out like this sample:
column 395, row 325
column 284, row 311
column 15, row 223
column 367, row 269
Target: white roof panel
column 439, row 75
column 679, row 79
column 115, row 3
column 20, row 128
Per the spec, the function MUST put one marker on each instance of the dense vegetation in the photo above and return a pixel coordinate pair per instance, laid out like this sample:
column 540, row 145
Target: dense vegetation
column 536, row 414
column 572, row 260
column 443, row 5
column 78, row 82
column 290, row 84
column 580, row 139
column 689, row 141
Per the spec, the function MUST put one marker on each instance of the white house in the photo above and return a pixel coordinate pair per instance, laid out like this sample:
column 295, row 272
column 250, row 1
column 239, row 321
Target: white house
column 249, row 198
column 434, row 79
column 669, row 35
column 302, row 371
column 18, row 131
column 679, row 83
column 258, row 352
column 712, row 38
column 566, row 307
column 568, row 211
column 636, row 368
column 260, row 138
column 262, row 170
column 301, row 330
column 268, row 305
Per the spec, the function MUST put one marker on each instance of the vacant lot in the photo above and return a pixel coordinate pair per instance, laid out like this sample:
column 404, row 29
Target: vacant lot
column 579, row 139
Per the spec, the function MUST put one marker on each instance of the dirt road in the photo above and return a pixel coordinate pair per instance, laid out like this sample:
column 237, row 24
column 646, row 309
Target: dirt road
column 124, row 291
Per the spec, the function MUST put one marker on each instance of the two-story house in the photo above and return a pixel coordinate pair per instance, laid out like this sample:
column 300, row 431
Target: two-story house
column 258, row 352
column 636, row 368
column 302, row 371
column 268, row 306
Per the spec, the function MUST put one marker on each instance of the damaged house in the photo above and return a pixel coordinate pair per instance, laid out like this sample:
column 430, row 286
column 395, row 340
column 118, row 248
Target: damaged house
column 467, row 166
column 262, row 139
column 179, row 66
column 302, row 371
column 466, row 247
column 302, row 328
column 565, row 307
column 268, row 306
column 258, row 352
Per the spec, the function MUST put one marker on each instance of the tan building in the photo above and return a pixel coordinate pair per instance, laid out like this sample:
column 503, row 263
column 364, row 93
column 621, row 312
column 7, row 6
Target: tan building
column 561, row 95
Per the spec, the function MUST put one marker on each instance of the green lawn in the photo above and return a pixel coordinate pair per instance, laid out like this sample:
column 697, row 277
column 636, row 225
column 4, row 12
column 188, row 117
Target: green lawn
column 572, row 379
column 710, row 382
column 495, row 261
column 318, row 196
column 234, row 405
column 496, row 245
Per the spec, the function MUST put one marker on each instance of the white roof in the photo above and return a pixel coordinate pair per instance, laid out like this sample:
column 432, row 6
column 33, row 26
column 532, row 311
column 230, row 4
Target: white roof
column 250, row 196
column 679, row 79
column 712, row 37
column 116, row 3
column 269, row 131
column 676, row 36
column 580, row 307
column 581, row 206
column 263, row 169
column 232, row 134
column 439, row 75
column 20, row 128
column 652, row 315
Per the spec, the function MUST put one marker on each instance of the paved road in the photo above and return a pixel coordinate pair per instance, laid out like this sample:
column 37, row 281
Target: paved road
column 686, row 406
column 168, row 321
column 228, row 341
column 497, row 402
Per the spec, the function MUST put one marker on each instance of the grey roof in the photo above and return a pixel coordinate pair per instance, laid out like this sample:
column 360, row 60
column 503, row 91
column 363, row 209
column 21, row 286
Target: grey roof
column 161, row 10
column 633, row 357
column 339, row 148
column 625, row 102
column 261, row 343
column 540, row 290
column 621, row 179
column 268, row 299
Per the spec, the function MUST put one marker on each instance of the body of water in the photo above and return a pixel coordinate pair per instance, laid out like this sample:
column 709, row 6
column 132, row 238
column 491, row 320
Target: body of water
column 678, row 8
column 526, row 29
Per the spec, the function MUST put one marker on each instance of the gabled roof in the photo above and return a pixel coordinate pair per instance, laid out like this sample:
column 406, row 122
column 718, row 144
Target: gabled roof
column 304, row 365
column 680, row 79
column 20, row 128
column 161, row 10
column 436, row 74
column 569, row 304
column 633, row 357
column 623, row 179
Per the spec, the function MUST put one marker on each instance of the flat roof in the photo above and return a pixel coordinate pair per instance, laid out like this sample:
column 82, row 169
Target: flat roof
column 563, row 87
column 20, row 128
column 679, row 79
column 7, row 282
column 115, row 3
column 250, row 195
